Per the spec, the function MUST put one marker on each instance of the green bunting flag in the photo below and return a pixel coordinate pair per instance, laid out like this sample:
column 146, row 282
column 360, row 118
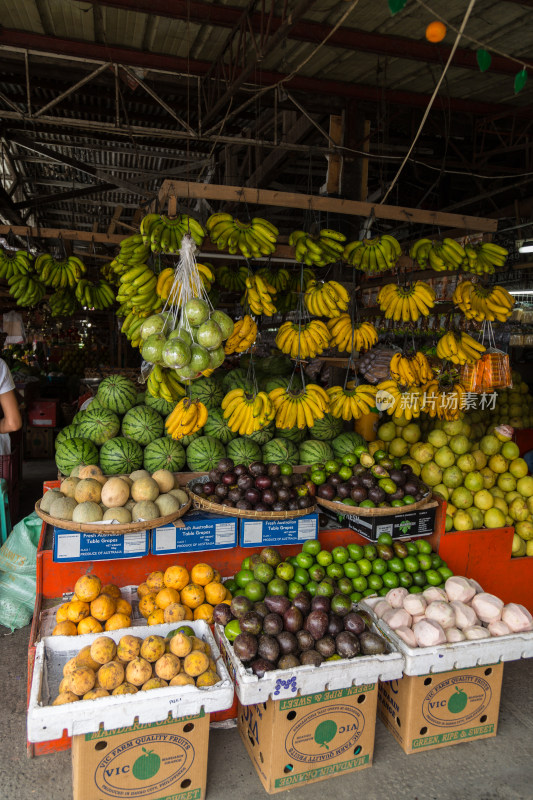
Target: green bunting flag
column 396, row 5
column 484, row 59
column 520, row 81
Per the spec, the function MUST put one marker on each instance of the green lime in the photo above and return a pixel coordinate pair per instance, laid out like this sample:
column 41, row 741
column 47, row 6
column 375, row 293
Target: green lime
column 324, row 558
column 347, row 502
column 356, row 596
column 391, row 579
column 367, row 504
column 305, row 560
column 383, row 592
column 360, row 584
column 375, row 582
column 255, row 590
column 317, row 573
column 424, row 561
column 311, row 546
column 332, row 466
column 277, row 586
column 397, row 503
column 285, row 571
column 349, row 460
column 351, row 570
column 345, row 473
column 433, row 577
column 445, row 572
column 419, row 579
column 365, row 566
column 360, row 449
column 412, row 549
column 325, row 589
column 423, row 546
column 243, row 577
column 232, row 630
column 385, row 538
column 395, row 564
column 294, row 589
column 340, row 555
column 371, row 552
column 356, row 551
column 408, row 499
column 245, row 564
column 379, row 455
column 301, row 576
column 292, row 560
column 231, row 585
column 329, row 579
column 415, row 589
column 335, row 571
column 286, row 469
column 319, row 477
column 341, row 604
column 311, row 587
column 263, row 572
column 436, row 561
column 316, row 466
column 344, row 585
column 406, row 579
column 411, row 563
column 379, row 566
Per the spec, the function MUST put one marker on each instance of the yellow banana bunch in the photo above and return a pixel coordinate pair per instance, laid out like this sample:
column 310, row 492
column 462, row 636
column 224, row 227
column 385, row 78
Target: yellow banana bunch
column 247, row 413
column 303, row 341
column 345, row 338
column 14, row 262
column 325, row 248
column 406, row 303
column 351, row 403
column 396, row 403
column 253, row 239
column 443, row 404
column 94, row 295
column 260, row 296
column 26, row 289
column 137, row 292
column 63, row 303
column 484, row 258
column 233, row 279
column 108, row 273
column 440, row 256
column 461, row 349
column 479, row 303
column 373, row 255
column 301, row 408
column 166, row 289
column 278, row 278
column 164, row 234
column 164, row 383
column 59, row 274
column 410, row 370
column 187, row 418
column 329, row 299
column 243, row 336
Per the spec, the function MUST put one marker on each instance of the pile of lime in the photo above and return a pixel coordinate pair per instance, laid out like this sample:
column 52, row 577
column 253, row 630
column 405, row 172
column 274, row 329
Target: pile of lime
column 345, row 574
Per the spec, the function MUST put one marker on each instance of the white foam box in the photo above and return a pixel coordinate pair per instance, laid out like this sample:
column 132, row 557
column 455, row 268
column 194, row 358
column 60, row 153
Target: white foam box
column 330, row 675
column 273, row 533
column 47, row 722
column 195, row 532
column 74, row 546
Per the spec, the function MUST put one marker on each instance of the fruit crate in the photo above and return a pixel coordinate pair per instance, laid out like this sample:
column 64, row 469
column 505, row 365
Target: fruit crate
column 306, row 679
column 459, row 655
column 46, row 722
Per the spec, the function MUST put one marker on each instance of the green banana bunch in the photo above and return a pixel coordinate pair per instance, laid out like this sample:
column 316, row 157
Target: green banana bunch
column 59, row 274
column 26, row 289
column 447, row 255
column 296, row 278
column 233, row 279
column 325, row 248
column 63, row 303
column 373, row 255
column 95, row 295
column 14, row 263
column 137, row 293
column 132, row 251
column 278, row 278
column 484, row 258
column 164, row 235
column 132, row 324
column 253, row 239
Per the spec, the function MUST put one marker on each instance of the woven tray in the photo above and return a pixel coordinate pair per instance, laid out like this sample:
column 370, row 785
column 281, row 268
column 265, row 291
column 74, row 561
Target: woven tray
column 110, row 530
column 342, row 508
column 230, row 511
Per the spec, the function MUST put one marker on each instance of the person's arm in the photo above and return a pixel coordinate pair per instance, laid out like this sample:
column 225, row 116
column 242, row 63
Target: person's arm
column 12, row 420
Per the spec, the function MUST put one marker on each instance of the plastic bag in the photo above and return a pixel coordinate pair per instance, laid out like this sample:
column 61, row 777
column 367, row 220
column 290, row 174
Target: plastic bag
column 19, row 553
column 18, row 559
column 492, row 371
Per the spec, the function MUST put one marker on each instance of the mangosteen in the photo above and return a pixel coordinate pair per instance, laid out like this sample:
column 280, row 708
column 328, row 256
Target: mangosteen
column 229, row 478
column 326, row 491
column 253, row 496
column 398, row 476
column 245, row 482
column 268, row 497
column 376, row 494
column 234, row 495
column 335, row 479
column 358, row 494
column 225, row 465
column 215, row 475
column 274, row 470
column 305, row 640
column 343, row 490
column 221, row 490
column 302, row 601
column 263, row 482
column 261, row 665
column 257, row 468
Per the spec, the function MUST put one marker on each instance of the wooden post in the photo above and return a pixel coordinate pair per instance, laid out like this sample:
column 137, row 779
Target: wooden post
column 335, row 161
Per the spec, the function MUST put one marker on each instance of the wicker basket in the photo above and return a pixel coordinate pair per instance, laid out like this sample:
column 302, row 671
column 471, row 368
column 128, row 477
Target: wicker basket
column 342, row 508
column 230, row 511
column 110, row 530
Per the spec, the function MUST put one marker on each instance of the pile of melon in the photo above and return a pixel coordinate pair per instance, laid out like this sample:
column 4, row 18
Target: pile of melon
column 89, row 496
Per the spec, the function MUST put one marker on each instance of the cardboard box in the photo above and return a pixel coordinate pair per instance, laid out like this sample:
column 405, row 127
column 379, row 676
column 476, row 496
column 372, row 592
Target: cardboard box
column 43, row 413
column 411, row 523
column 256, row 533
column 197, row 531
column 74, row 546
column 311, row 737
column 156, row 761
column 39, row 443
column 429, row 711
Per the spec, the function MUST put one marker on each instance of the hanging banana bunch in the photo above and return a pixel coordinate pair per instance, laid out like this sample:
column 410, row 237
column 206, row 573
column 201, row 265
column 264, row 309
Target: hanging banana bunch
column 484, row 258
column 253, row 239
column 95, row 295
column 353, row 403
column 259, row 296
column 243, row 336
column 164, row 234
column 396, row 403
column 246, row 412
column 278, row 278
column 137, row 293
column 171, row 290
column 26, row 289
column 373, row 255
column 362, row 336
column 14, row 262
column 406, row 303
column 441, row 402
column 412, row 370
column 187, row 418
column 440, row 256
column 233, row 279
column 329, row 299
column 59, row 274
column 63, row 303
column 301, row 407
column 325, row 248
column 164, row 383
column 459, row 349
column 306, row 340
column 304, row 278
column 133, row 252
column 479, row 303
column 108, row 273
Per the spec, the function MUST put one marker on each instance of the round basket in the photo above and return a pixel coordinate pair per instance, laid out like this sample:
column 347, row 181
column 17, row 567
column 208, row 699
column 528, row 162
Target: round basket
column 111, row 529
column 342, row 508
column 230, row 511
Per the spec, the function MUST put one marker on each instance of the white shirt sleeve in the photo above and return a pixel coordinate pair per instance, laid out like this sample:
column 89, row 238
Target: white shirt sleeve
column 6, row 379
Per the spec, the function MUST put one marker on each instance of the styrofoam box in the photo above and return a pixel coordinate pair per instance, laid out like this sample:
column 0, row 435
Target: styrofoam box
column 47, row 722
column 330, row 675
column 457, row 655
column 129, row 593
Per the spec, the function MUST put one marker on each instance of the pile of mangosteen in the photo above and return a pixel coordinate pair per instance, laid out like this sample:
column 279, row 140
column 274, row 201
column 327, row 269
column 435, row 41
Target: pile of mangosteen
column 374, row 487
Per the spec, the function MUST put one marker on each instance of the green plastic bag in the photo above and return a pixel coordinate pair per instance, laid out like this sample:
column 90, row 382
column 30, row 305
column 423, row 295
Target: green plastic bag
column 19, row 551
column 18, row 559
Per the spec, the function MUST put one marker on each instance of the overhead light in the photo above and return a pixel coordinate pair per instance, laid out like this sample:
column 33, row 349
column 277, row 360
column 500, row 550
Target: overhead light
column 526, row 246
column 522, row 292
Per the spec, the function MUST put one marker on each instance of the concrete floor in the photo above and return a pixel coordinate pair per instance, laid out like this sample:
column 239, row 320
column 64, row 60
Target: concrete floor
column 500, row 768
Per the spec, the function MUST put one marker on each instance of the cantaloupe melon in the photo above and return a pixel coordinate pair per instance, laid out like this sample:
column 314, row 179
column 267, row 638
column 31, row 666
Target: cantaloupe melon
column 115, row 492
column 87, row 512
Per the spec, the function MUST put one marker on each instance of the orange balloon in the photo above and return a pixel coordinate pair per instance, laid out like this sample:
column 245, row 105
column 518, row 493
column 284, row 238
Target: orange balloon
column 435, row 31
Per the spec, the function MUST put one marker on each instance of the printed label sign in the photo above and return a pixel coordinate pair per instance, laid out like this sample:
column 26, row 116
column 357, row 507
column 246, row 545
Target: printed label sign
column 324, row 734
column 456, row 701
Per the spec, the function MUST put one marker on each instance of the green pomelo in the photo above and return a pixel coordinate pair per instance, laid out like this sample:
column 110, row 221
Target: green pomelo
column 444, row 457
column 525, row 486
column 462, row 498
column 483, row 500
column 157, row 323
column 209, row 335
column 498, row 463
column 489, row 478
column 474, row 481
column 524, row 530
column 452, row 477
column 480, row 458
column 466, row 463
column 152, row 349
column 518, row 467
column 199, row 358
column 176, row 353
column 506, row 482
column 224, row 322
column 459, row 444
column 441, row 490
column 494, row 518
column 398, row 447
column 490, row 445
column 462, row 521
column 431, row 474
column 387, row 431
column 412, row 433
column 510, row 450
column 476, row 516
column 196, row 311
column 438, row 438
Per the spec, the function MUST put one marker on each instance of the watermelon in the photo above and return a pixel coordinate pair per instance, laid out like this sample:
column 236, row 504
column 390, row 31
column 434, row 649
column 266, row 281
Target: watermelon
column 120, row 456
column 94, row 404
column 207, row 391
column 263, row 436
column 346, row 443
column 282, row 383
column 280, row 451
column 295, row 434
column 327, row 428
column 78, row 417
column 99, row 425
column 73, row 452
column 236, row 379
column 243, row 451
column 163, row 407
column 141, row 398
column 164, row 453
column 217, row 426
column 204, row 454
column 117, row 393
column 143, row 425
column 313, row 451
column 69, row 432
